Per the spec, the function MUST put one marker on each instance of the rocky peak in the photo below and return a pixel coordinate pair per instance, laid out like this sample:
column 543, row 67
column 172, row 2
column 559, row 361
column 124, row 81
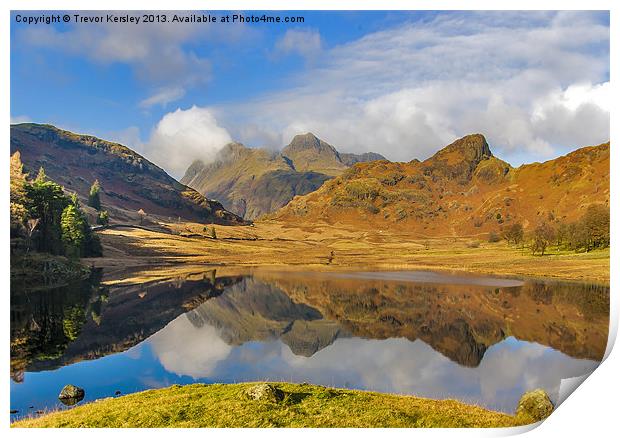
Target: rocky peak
column 232, row 151
column 460, row 158
column 471, row 148
column 308, row 142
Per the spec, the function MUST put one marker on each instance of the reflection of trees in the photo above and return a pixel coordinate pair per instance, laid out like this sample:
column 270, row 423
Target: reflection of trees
column 44, row 322
column 113, row 321
column 73, row 321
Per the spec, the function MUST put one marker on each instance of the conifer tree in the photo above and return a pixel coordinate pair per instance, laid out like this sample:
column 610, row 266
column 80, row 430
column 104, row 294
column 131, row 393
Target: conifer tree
column 93, row 196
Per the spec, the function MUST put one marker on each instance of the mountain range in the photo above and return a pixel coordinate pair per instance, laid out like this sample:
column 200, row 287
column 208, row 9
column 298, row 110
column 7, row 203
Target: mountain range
column 461, row 190
column 252, row 181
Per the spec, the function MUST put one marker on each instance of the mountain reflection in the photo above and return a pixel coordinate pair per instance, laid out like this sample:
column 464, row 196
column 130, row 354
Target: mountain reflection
column 478, row 339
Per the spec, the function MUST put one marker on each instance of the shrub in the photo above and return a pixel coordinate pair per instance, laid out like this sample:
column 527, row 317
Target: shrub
column 494, row 237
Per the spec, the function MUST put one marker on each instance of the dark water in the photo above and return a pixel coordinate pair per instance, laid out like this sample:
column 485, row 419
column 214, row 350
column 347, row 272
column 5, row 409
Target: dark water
column 478, row 339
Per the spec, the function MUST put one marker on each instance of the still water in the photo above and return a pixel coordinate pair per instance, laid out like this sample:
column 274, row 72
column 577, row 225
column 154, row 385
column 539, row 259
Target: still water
column 481, row 340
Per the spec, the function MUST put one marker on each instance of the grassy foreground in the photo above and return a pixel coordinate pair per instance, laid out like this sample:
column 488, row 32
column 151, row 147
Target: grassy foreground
column 304, row 405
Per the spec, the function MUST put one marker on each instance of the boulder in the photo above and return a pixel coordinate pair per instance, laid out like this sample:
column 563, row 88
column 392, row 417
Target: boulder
column 265, row 392
column 71, row 394
column 534, row 405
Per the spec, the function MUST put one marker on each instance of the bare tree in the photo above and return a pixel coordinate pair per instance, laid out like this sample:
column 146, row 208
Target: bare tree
column 544, row 234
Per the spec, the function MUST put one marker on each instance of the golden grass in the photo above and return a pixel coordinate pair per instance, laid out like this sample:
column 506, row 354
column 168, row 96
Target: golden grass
column 304, row 405
column 274, row 244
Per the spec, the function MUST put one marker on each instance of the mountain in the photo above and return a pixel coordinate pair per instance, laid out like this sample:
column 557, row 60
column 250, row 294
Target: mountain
column 129, row 181
column 461, row 190
column 307, row 152
column 251, row 182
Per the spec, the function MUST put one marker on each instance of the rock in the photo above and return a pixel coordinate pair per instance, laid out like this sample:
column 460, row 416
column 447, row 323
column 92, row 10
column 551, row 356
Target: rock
column 117, row 392
column 71, row 394
column 534, row 405
column 14, row 411
column 71, row 391
column 265, row 392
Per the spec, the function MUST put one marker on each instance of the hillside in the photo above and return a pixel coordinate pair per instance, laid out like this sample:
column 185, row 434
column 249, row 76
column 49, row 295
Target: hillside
column 251, row 181
column 129, row 181
column 461, row 190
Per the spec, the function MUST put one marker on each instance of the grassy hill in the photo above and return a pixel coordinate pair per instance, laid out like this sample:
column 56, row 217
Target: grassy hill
column 130, row 182
column 303, row 405
column 461, row 190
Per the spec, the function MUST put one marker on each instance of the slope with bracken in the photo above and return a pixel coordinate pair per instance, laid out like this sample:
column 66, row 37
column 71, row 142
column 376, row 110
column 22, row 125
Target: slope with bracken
column 461, row 190
column 130, row 182
column 251, row 181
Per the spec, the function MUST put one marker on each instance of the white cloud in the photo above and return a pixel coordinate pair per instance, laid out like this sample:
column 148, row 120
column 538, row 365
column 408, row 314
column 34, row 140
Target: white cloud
column 572, row 115
column 304, row 42
column 20, row 119
column 163, row 97
column 534, row 83
column 182, row 136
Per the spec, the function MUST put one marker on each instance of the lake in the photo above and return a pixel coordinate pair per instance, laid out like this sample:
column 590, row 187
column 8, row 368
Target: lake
column 482, row 340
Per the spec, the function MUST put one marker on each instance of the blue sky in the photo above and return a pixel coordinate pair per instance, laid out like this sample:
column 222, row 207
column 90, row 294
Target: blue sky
column 400, row 83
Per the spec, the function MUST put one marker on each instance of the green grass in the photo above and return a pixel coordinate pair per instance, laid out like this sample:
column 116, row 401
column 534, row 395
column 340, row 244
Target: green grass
column 226, row 405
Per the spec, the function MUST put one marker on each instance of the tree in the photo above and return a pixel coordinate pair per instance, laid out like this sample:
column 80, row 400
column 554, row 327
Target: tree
column 562, row 234
column 46, row 201
column 41, row 176
column 19, row 214
column 514, row 233
column 103, row 218
column 596, row 221
column 544, row 234
column 72, row 227
column 93, row 196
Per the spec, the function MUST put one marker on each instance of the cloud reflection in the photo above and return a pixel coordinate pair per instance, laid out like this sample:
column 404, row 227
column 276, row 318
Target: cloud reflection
column 508, row 368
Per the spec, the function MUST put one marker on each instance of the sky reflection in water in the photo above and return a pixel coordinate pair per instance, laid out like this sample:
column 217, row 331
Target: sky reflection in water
column 206, row 345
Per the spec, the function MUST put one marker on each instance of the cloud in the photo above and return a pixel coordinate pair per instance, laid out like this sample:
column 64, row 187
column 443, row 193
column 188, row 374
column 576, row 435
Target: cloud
column 163, row 97
column 162, row 56
column 534, row 83
column 570, row 116
column 183, row 136
column 304, row 42
column 20, row 119
column 155, row 53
